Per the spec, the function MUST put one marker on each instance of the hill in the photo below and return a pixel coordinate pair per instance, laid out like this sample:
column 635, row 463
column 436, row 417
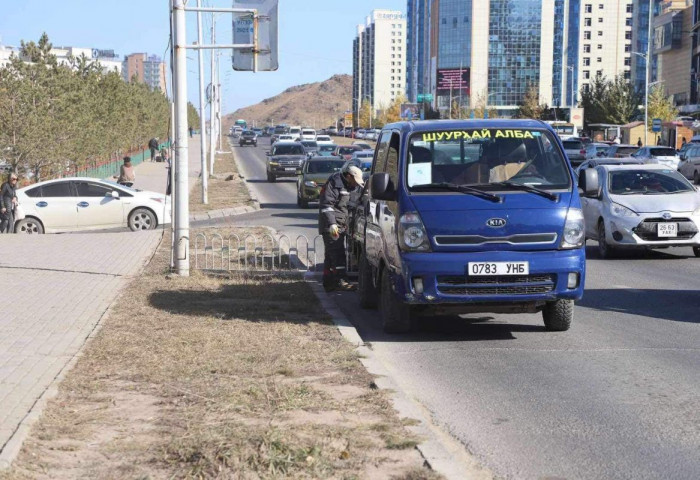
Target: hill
column 314, row 104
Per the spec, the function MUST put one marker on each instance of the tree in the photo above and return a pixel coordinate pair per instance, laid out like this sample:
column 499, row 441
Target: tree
column 193, row 120
column 365, row 114
column 480, row 102
column 455, row 110
column 530, row 107
column 393, row 113
column 610, row 101
column 660, row 105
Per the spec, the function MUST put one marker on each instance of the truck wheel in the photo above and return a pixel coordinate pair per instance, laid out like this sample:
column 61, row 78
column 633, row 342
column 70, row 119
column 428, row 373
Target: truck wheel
column 365, row 285
column 558, row 315
column 271, row 177
column 396, row 315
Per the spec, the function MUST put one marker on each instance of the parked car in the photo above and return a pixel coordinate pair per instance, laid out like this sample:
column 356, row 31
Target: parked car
column 312, row 176
column 372, row 135
column 236, row 132
column 248, row 137
column 594, row 162
column 575, row 151
column 360, row 133
column 311, row 147
column 295, row 132
column 331, row 131
column 284, row 159
column 595, row 150
column 346, row 151
column 690, row 166
column 363, row 145
column 326, row 150
column 71, row 204
column 662, row 155
column 308, row 134
column 324, row 140
column 648, row 206
column 620, row 150
column 469, row 216
column 363, row 155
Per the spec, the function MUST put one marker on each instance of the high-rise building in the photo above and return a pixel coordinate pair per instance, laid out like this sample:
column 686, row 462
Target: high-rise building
column 379, row 60
column 420, row 57
column 149, row 69
column 640, row 41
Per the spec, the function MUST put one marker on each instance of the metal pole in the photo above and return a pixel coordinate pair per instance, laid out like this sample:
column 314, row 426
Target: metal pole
column 218, row 104
column 202, row 122
column 646, row 82
column 182, row 211
column 212, row 100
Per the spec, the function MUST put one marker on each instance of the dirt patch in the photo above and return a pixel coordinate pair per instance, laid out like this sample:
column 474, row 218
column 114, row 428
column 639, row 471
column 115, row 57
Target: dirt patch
column 205, row 377
column 225, row 189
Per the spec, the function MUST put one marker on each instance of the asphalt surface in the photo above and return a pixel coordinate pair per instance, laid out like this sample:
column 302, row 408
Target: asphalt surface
column 615, row 397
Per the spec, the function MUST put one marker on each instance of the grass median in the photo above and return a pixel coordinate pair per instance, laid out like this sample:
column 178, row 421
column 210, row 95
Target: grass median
column 225, row 189
column 202, row 377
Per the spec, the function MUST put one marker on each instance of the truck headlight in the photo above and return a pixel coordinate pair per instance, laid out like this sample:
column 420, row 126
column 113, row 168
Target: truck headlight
column 274, row 164
column 412, row 234
column 311, row 184
column 574, row 229
column 622, row 211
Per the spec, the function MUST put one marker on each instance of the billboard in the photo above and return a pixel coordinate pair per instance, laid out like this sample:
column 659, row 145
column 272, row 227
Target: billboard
column 243, row 34
column 454, row 79
column 410, row 111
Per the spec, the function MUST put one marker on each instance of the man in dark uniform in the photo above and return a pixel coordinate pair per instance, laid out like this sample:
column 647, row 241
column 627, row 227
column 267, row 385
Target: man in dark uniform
column 332, row 225
column 153, row 146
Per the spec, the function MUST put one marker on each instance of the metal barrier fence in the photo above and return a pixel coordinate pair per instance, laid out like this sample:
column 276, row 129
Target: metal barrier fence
column 267, row 253
column 109, row 168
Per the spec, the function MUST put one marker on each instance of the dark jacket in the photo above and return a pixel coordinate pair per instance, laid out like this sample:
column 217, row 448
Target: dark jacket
column 153, row 143
column 7, row 193
column 333, row 208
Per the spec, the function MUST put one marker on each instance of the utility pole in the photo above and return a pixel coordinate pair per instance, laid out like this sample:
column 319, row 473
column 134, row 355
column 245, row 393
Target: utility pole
column 212, row 99
column 646, row 83
column 218, row 103
column 182, row 211
column 202, row 122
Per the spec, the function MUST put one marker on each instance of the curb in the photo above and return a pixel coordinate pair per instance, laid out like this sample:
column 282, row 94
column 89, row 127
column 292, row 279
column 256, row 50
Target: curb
column 253, row 198
column 14, row 445
column 225, row 212
column 442, row 453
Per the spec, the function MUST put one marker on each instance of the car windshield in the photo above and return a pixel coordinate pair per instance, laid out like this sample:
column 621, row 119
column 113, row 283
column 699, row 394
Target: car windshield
column 288, row 150
column 364, row 155
column 248, row 134
column 487, row 156
column 662, row 152
column 625, row 150
column 309, row 143
column 328, row 166
column 326, row 148
column 646, row 182
column 575, row 145
column 346, row 150
column 601, row 148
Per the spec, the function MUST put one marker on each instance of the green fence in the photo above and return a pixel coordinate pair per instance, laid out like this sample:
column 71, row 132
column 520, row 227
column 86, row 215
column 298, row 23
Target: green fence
column 109, row 168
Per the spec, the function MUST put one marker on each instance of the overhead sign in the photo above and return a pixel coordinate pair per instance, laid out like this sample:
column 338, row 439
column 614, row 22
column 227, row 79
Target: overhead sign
column 348, row 119
column 656, row 125
column 453, row 79
column 424, row 97
column 267, row 38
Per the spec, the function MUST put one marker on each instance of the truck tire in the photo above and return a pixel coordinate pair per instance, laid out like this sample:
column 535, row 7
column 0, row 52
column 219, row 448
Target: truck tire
column 365, row 285
column 271, row 178
column 396, row 315
column 558, row 315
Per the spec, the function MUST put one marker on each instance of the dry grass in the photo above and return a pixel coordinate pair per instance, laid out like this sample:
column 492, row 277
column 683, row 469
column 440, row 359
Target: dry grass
column 221, row 193
column 218, row 378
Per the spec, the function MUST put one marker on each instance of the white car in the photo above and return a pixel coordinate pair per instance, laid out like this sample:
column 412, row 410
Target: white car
column 651, row 206
column 662, row 155
column 372, row 135
column 286, row 138
column 295, row 132
column 324, row 140
column 73, row 204
column 308, row 134
column 690, row 165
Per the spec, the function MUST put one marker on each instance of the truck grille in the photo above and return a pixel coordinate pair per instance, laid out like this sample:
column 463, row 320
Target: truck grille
column 501, row 285
column 648, row 229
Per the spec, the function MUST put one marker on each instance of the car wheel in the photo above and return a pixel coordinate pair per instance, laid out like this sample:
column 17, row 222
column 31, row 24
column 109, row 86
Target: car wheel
column 558, row 315
column 696, row 178
column 604, row 248
column 29, row 226
column 396, row 315
column 271, row 177
column 696, row 251
column 366, row 288
column 303, row 203
column 142, row 219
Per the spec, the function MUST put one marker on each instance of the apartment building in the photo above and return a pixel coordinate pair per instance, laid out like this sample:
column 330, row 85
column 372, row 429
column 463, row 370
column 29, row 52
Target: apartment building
column 149, row 69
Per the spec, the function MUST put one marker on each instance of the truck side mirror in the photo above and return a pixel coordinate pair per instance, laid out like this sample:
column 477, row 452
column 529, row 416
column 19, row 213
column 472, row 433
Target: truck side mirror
column 589, row 182
column 382, row 187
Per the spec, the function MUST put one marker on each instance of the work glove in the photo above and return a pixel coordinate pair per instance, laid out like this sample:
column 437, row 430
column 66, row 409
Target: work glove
column 334, row 231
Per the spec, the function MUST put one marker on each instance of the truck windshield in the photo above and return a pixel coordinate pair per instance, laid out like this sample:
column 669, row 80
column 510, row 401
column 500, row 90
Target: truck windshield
column 489, row 158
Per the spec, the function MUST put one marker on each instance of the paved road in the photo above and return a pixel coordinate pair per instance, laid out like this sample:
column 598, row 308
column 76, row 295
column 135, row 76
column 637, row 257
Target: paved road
column 617, row 396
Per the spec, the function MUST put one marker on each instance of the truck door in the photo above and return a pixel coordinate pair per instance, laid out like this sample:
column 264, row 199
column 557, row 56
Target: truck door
column 389, row 215
column 373, row 240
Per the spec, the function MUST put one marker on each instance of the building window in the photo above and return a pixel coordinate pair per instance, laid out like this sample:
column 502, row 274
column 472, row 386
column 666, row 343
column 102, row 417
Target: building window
column 628, row 22
column 586, row 35
column 599, row 73
column 599, row 59
column 586, row 49
column 600, row 33
column 586, row 61
column 586, row 74
column 628, row 35
column 588, row 8
column 586, row 22
column 601, row 6
column 629, row 8
column 466, row 19
column 586, row 87
column 628, row 75
column 628, row 61
column 600, row 19
column 600, row 46
column 444, row 21
column 628, row 48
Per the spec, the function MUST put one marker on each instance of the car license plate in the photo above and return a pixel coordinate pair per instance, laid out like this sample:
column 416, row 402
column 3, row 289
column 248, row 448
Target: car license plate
column 498, row 268
column 667, row 230
column 290, row 169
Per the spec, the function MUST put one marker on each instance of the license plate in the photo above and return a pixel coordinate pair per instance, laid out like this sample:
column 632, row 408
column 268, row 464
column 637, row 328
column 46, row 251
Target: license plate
column 288, row 169
column 667, row 230
column 481, row 269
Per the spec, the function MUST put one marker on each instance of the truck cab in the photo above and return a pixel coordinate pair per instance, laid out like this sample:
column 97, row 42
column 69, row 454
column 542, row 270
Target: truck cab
column 466, row 217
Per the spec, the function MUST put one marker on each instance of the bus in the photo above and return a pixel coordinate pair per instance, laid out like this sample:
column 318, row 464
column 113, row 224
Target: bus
column 242, row 123
column 565, row 130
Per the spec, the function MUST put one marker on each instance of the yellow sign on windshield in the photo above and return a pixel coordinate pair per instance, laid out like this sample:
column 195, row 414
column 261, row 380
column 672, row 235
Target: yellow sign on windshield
column 476, row 134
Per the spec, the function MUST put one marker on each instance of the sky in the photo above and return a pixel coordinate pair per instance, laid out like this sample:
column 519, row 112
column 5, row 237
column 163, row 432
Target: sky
column 315, row 37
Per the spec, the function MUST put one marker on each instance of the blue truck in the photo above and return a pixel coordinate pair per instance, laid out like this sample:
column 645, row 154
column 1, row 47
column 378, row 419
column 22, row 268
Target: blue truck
column 469, row 216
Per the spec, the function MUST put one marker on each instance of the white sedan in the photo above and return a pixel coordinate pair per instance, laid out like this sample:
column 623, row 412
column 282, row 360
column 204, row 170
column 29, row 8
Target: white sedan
column 650, row 206
column 73, row 204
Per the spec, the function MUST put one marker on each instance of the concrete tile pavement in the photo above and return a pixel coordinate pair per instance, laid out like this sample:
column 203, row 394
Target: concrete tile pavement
column 153, row 176
column 60, row 288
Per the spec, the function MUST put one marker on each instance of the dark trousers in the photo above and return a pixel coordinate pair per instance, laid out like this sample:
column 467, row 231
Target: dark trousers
column 334, row 268
column 7, row 222
column 153, row 154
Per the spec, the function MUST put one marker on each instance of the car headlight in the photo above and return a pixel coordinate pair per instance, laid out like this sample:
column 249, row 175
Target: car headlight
column 574, row 229
column 622, row 211
column 311, row 184
column 412, row 234
column 274, row 164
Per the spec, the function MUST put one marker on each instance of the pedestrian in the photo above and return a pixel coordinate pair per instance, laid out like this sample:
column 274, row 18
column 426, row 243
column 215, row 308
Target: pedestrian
column 153, row 145
column 191, row 131
column 332, row 225
column 8, row 203
column 639, row 142
column 127, row 175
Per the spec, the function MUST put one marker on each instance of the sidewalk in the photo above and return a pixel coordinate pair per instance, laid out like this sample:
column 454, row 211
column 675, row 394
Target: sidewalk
column 152, row 176
column 59, row 288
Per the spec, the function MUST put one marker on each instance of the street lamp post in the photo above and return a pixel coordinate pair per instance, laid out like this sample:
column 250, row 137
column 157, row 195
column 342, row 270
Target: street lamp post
column 571, row 101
